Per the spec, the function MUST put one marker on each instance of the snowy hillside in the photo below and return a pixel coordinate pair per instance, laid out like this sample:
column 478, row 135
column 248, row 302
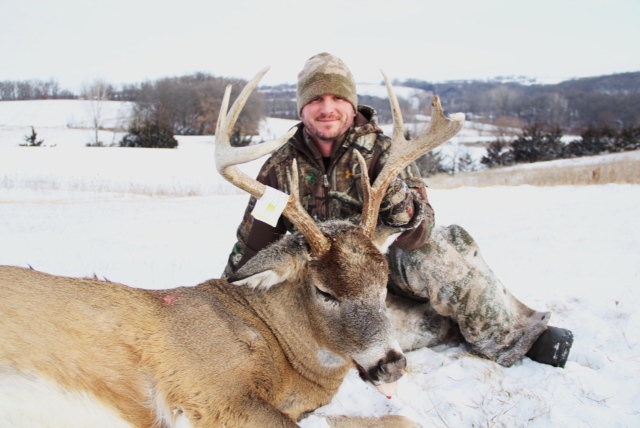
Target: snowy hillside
column 60, row 122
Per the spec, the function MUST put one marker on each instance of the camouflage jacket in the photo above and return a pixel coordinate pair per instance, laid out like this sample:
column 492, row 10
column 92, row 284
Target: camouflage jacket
column 328, row 193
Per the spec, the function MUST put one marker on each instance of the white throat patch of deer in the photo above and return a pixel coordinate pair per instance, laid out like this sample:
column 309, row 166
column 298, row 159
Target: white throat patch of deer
column 262, row 348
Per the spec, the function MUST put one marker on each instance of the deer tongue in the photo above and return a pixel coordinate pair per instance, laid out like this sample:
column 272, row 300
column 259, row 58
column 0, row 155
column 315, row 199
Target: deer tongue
column 388, row 389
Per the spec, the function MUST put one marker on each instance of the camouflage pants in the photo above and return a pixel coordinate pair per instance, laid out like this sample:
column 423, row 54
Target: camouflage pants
column 445, row 289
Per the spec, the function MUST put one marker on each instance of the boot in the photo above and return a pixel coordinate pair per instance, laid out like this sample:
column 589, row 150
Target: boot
column 552, row 347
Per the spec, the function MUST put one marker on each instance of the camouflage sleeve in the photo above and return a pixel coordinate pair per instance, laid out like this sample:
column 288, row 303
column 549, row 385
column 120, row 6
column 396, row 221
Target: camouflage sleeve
column 252, row 235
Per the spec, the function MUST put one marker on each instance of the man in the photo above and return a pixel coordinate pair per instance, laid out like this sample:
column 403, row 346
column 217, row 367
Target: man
column 440, row 287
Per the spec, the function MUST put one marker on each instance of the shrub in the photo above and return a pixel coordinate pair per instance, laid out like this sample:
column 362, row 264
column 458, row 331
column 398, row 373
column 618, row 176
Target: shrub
column 431, row 163
column 498, row 154
column 32, row 140
column 238, row 140
column 537, row 144
column 150, row 134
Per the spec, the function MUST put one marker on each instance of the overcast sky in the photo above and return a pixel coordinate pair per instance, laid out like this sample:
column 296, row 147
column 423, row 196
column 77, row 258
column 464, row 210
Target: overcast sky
column 130, row 41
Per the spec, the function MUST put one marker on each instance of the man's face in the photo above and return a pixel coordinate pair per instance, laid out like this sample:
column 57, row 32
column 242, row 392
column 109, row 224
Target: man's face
column 327, row 117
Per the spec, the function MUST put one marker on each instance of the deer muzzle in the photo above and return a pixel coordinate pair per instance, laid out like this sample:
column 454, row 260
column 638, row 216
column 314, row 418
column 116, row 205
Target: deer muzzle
column 389, row 369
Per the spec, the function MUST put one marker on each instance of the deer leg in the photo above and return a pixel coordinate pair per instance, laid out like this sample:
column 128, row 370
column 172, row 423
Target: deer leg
column 388, row 421
column 247, row 413
column 417, row 325
column 450, row 273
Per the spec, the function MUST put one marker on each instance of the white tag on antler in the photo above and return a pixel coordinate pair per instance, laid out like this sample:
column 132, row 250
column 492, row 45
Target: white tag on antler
column 270, row 206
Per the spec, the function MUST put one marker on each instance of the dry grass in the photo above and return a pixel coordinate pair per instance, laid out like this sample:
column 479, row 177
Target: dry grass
column 614, row 168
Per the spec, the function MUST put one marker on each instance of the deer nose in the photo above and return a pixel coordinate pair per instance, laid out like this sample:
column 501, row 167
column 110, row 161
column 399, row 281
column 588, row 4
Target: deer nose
column 389, row 369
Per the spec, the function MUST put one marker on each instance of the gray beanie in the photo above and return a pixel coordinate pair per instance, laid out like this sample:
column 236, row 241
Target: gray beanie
column 325, row 74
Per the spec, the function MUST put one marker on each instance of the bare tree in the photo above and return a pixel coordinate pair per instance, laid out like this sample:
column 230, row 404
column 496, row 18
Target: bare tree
column 96, row 93
column 556, row 109
column 548, row 109
column 507, row 127
column 503, row 99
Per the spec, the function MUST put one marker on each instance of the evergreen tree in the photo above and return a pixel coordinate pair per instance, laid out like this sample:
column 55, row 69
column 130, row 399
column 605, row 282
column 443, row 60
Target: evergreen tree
column 32, row 140
column 629, row 139
column 602, row 140
column 431, row 163
column 498, row 154
column 593, row 141
column 150, row 134
column 238, row 140
column 536, row 145
column 466, row 163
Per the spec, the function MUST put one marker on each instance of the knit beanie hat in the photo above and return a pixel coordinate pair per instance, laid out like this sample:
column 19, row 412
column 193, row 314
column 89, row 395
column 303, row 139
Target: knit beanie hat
column 325, row 74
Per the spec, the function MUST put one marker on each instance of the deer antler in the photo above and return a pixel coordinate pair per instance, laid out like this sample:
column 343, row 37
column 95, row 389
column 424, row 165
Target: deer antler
column 402, row 152
column 227, row 158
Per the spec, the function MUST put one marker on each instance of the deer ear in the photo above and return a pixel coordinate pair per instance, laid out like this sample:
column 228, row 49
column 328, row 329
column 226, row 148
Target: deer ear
column 384, row 236
column 276, row 263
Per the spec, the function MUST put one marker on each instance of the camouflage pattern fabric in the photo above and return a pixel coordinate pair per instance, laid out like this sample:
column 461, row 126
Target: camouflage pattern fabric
column 450, row 274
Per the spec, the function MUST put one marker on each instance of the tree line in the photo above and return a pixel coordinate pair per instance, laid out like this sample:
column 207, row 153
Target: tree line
column 538, row 144
column 574, row 105
column 14, row 90
column 189, row 105
column 185, row 105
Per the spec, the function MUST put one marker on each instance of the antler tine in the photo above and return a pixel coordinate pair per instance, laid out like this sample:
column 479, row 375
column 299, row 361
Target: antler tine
column 227, row 158
column 295, row 212
column 396, row 112
column 403, row 152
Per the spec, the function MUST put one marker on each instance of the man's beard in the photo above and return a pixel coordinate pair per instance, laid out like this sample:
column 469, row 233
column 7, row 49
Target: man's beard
column 335, row 133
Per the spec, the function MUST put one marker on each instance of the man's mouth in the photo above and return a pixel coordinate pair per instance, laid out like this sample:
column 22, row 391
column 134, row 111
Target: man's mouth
column 328, row 119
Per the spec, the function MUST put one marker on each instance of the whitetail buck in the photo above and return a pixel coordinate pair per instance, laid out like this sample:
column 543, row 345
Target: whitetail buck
column 260, row 350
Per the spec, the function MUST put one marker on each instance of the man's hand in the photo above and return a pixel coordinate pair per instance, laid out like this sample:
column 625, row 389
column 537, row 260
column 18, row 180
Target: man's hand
column 397, row 208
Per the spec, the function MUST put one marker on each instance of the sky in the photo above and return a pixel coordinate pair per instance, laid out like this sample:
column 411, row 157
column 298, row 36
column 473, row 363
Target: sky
column 130, row 41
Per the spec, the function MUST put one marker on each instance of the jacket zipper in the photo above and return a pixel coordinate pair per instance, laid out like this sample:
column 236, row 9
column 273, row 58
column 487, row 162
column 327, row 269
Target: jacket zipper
column 325, row 205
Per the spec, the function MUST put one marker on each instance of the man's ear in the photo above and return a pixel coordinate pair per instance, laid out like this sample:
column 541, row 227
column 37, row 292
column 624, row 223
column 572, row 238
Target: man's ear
column 277, row 263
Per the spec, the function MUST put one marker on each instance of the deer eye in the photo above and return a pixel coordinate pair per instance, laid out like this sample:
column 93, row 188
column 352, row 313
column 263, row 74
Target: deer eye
column 328, row 297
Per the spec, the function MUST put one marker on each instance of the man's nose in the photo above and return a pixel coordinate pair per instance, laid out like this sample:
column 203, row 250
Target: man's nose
column 328, row 105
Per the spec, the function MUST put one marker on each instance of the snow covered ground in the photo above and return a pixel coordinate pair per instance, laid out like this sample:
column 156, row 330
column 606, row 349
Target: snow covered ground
column 163, row 218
